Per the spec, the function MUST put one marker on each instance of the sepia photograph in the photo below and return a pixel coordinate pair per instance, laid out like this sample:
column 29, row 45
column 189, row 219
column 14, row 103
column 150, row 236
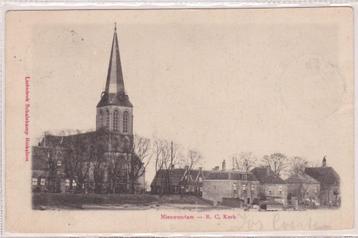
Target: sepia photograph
column 181, row 119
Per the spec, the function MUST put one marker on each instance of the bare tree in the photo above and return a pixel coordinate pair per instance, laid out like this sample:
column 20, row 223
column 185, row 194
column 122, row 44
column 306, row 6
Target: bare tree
column 245, row 161
column 276, row 161
column 158, row 145
column 77, row 166
column 166, row 155
column 193, row 159
column 297, row 165
column 140, row 158
column 84, row 162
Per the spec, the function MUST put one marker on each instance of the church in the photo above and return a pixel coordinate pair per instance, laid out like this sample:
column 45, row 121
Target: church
column 100, row 161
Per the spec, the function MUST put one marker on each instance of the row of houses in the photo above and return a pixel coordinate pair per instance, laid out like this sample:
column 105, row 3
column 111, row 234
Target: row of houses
column 316, row 186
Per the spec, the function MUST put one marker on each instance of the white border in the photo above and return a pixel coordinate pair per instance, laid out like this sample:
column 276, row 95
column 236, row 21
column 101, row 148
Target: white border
column 7, row 5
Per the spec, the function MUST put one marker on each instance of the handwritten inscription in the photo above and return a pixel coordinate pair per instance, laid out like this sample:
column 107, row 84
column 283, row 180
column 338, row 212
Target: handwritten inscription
column 244, row 221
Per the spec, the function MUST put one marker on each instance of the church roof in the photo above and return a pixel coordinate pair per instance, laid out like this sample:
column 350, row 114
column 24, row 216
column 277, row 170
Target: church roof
column 114, row 93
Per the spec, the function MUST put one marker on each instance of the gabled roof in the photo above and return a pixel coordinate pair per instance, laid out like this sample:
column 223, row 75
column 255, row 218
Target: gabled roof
column 301, row 178
column 230, row 175
column 175, row 176
column 325, row 175
column 40, row 158
column 266, row 176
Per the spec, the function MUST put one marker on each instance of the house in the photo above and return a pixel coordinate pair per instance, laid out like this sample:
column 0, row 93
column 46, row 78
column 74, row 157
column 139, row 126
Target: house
column 167, row 181
column 48, row 169
column 178, row 181
column 329, row 180
column 304, row 189
column 40, row 170
column 231, row 188
column 101, row 161
column 272, row 187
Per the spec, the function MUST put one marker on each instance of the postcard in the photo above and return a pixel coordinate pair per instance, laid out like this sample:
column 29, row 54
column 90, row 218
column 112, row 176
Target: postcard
column 179, row 120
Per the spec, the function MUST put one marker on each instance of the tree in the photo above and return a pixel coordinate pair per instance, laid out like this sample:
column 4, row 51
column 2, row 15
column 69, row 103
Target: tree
column 166, row 155
column 297, row 165
column 245, row 161
column 77, row 167
column 140, row 158
column 85, row 160
column 277, row 162
column 193, row 159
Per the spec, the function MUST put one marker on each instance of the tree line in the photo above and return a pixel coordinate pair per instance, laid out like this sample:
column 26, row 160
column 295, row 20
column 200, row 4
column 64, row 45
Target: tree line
column 279, row 163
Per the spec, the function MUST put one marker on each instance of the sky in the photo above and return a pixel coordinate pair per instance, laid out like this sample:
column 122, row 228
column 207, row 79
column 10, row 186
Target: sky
column 219, row 82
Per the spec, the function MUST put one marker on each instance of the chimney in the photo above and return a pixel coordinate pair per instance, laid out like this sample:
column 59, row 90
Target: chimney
column 324, row 161
column 223, row 165
column 216, row 168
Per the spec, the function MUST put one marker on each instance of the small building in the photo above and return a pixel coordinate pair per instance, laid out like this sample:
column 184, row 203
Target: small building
column 178, row 181
column 40, row 171
column 304, row 188
column 48, row 173
column 233, row 188
column 329, row 183
column 272, row 187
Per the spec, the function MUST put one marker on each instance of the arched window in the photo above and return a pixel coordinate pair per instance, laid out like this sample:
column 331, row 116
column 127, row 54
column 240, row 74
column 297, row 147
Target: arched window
column 107, row 119
column 115, row 120
column 100, row 119
column 125, row 122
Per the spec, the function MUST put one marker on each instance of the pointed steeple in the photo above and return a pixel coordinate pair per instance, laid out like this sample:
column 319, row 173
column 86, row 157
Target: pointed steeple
column 114, row 93
column 115, row 82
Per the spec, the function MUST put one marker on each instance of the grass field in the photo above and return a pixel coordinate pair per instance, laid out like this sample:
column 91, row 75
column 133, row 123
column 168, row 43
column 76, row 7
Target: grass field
column 45, row 201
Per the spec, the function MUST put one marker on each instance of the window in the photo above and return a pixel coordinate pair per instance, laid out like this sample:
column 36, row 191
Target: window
column 115, row 120
column 253, row 187
column 67, row 182
column 34, row 181
column 43, row 181
column 270, row 192
column 125, row 122
column 234, row 186
column 280, row 189
column 59, row 163
column 100, row 119
column 74, row 184
column 244, row 176
column 107, row 119
column 244, row 187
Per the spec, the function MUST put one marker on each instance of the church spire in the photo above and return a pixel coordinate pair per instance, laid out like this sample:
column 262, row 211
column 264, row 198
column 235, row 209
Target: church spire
column 114, row 83
column 114, row 93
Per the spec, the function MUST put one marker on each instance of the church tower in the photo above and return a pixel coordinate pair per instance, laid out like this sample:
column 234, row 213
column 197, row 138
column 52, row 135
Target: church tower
column 114, row 110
